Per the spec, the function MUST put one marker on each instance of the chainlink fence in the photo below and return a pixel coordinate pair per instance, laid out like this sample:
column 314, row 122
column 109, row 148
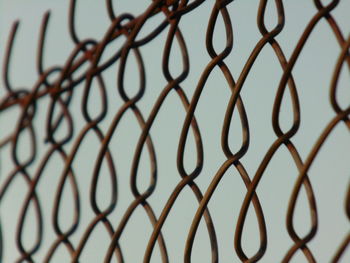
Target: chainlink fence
column 176, row 131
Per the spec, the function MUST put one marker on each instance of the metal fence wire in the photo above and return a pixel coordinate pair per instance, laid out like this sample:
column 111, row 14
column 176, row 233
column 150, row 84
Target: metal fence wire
column 44, row 129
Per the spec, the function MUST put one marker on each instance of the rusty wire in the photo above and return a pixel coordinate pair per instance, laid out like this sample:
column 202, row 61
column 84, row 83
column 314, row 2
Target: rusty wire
column 89, row 51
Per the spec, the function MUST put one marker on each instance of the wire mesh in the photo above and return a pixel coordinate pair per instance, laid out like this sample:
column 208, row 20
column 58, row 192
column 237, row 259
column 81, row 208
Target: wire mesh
column 63, row 132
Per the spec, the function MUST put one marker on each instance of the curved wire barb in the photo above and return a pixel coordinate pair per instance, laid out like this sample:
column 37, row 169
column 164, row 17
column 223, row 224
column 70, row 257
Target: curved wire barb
column 64, row 138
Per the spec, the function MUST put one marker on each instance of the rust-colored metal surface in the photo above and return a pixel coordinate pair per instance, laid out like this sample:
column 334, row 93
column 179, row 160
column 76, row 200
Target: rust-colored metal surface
column 84, row 69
